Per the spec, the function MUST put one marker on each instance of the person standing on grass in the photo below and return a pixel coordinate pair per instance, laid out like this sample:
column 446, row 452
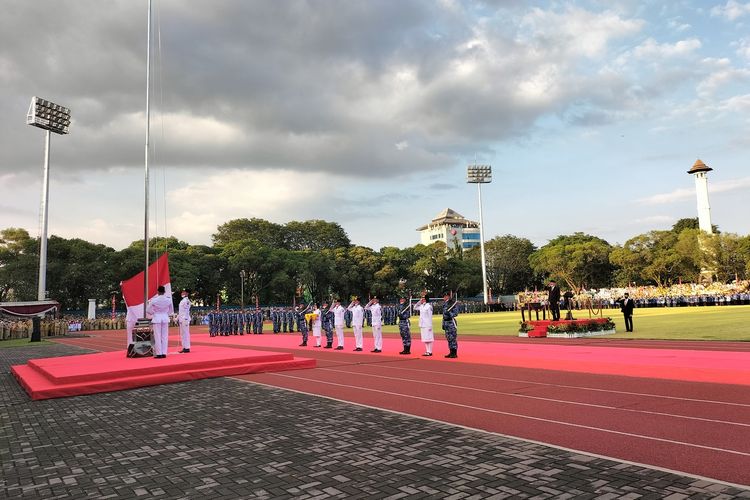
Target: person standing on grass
column 425, row 325
column 160, row 308
column 554, row 300
column 183, row 318
column 626, row 306
column 450, row 326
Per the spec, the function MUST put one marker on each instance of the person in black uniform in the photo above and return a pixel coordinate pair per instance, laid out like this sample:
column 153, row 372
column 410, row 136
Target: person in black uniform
column 554, row 300
column 626, row 306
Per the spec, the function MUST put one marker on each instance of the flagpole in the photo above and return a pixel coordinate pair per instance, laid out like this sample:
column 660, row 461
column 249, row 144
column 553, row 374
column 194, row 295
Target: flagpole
column 148, row 126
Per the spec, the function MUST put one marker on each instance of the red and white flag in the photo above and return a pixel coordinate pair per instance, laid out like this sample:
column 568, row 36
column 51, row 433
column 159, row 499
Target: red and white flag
column 132, row 289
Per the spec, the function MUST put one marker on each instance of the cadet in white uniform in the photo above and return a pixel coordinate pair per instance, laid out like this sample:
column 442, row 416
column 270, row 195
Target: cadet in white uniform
column 134, row 314
column 338, row 323
column 377, row 323
column 160, row 308
column 183, row 318
column 425, row 325
column 358, row 317
column 316, row 325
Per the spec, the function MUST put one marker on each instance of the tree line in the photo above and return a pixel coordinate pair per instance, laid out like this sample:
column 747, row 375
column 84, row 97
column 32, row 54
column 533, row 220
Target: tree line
column 305, row 260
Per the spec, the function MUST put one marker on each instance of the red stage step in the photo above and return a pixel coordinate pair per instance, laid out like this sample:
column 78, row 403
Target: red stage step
column 111, row 371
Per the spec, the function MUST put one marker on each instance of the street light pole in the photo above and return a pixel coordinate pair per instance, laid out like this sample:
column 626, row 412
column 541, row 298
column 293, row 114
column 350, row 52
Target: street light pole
column 50, row 117
column 480, row 174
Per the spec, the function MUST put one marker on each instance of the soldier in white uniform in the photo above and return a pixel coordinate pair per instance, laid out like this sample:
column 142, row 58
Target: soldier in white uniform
column 377, row 323
column 183, row 318
column 358, row 317
column 160, row 308
column 316, row 325
column 425, row 325
column 338, row 323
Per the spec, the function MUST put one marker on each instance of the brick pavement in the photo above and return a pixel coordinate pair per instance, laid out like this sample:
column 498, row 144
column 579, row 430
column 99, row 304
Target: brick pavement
column 224, row 438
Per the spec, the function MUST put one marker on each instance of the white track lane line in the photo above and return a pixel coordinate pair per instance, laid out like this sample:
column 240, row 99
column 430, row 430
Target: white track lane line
column 564, row 386
column 518, row 415
column 539, row 398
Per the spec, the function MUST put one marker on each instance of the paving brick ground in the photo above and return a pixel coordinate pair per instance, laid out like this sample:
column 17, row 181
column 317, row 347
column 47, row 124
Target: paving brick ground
column 223, row 438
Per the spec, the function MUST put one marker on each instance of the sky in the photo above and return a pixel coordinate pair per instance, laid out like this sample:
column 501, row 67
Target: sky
column 367, row 113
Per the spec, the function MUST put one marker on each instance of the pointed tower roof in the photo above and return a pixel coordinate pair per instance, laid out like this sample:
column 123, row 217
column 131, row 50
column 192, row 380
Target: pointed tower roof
column 449, row 217
column 699, row 166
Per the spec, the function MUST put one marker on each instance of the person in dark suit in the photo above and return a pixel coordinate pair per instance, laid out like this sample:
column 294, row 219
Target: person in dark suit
column 554, row 300
column 626, row 306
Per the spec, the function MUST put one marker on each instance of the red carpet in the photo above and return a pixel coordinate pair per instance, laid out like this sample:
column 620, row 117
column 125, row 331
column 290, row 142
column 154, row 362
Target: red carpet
column 726, row 367
column 111, row 371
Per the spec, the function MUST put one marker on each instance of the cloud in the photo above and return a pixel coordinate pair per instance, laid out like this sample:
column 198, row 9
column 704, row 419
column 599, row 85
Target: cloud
column 685, row 194
column 442, row 187
column 651, row 49
column 653, row 220
column 732, row 10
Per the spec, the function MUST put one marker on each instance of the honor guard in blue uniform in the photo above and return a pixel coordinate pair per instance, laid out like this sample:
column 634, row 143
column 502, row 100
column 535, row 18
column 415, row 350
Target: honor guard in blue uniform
column 327, row 323
column 212, row 324
column 404, row 314
column 450, row 311
column 259, row 321
column 282, row 320
column 275, row 320
column 290, row 319
column 368, row 317
column 301, row 311
column 241, row 323
column 348, row 318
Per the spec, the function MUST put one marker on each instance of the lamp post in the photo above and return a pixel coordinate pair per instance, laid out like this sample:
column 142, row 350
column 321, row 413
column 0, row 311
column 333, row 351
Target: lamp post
column 480, row 174
column 243, row 275
column 51, row 117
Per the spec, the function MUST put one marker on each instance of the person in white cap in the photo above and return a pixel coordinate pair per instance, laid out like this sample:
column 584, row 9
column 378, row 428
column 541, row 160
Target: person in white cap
column 425, row 325
column 183, row 318
column 160, row 308
column 377, row 323
column 338, row 323
column 358, row 316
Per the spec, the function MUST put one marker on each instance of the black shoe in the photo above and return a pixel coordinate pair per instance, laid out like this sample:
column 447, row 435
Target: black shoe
column 358, row 349
column 303, row 344
column 160, row 356
column 427, row 354
column 376, row 350
column 404, row 352
column 317, row 345
column 327, row 346
column 183, row 351
column 339, row 348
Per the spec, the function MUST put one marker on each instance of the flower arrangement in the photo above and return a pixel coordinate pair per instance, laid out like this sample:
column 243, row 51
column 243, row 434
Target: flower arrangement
column 579, row 326
column 525, row 327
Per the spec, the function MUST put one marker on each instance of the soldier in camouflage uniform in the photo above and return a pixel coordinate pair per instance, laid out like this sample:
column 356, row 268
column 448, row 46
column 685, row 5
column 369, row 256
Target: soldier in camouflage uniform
column 301, row 311
column 327, row 324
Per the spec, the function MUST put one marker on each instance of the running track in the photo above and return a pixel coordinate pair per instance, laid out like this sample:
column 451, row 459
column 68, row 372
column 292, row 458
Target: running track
column 699, row 428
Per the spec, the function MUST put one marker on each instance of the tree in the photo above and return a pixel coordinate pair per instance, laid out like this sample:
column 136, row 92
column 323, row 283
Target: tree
column 507, row 258
column 690, row 223
column 19, row 261
column 578, row 259
column 267, row 233
column 314, row 235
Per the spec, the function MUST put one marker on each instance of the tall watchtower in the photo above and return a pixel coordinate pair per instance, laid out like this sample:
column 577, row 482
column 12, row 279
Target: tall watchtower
column 699, row 170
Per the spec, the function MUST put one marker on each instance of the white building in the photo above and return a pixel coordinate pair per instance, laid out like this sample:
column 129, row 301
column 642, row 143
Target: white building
column 451, row 228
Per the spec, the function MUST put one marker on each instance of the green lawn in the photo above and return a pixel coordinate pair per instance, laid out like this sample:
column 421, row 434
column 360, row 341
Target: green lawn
column 694, row 323
column 23, row 343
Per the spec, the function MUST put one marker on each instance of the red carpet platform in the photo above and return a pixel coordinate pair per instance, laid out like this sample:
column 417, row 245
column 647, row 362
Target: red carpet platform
column 111, row 371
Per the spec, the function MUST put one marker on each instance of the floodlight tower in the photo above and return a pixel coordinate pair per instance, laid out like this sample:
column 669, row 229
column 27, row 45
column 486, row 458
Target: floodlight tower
column 51, row 117
column 480, row 174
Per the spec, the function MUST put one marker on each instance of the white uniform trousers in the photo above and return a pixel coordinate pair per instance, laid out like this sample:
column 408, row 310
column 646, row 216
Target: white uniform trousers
column 340, row 335
column 185, row 332
column 428, row 337
column 358, row 338
column 161, row 338
column 316, row 333
column 377, row 335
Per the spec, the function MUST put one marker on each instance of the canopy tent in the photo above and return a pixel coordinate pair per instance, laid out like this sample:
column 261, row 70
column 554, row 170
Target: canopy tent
column 29, row 309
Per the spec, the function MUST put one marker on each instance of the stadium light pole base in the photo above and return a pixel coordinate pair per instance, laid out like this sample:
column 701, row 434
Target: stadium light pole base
column 142, row 346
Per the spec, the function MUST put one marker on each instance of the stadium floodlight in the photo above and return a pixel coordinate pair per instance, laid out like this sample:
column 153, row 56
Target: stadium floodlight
column 480, row 174
column 51, row 117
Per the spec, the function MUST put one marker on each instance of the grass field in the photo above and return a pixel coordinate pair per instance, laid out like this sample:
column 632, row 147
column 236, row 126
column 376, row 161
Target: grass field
column 692, row 323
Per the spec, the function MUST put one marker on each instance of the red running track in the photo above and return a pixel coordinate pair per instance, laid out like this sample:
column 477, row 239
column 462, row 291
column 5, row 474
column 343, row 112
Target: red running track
column 669, row 420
